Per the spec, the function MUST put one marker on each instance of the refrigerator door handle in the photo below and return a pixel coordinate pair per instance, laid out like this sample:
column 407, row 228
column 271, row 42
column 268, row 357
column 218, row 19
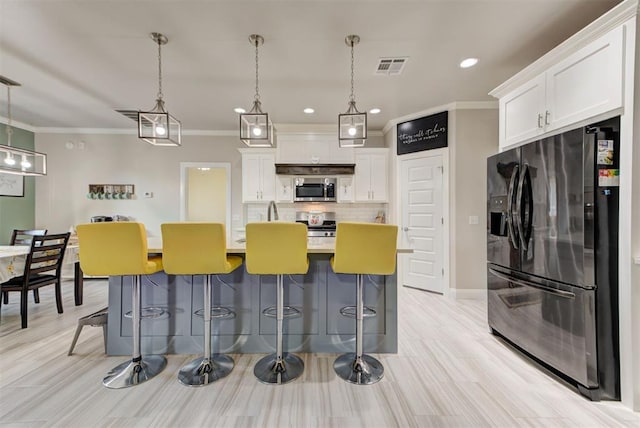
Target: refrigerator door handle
column 519, row 207
column 525, row 283
column 528, row 230
column 512, row 184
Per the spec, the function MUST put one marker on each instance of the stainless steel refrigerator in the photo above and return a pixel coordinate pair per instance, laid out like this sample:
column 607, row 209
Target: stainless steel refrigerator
column 552, row 250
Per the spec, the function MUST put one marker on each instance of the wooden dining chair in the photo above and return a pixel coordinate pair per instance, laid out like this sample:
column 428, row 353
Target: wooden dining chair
column 24, row 237
column 42, row 267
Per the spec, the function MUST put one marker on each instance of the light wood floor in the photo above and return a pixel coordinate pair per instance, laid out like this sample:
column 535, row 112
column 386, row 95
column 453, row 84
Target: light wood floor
column 449, row 371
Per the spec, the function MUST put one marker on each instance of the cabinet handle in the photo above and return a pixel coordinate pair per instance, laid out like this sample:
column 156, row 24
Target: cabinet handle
column 257, row 195
column 539, row 120
column 372, row 195
column 547, row 117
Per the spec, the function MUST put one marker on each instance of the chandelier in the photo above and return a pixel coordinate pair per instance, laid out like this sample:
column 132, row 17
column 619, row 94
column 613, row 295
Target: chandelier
column 14, row 160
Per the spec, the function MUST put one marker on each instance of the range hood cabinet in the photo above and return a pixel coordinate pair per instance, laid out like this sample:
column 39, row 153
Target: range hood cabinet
column 315, row 169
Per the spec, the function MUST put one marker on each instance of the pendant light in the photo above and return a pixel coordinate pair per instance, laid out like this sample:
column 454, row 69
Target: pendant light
column 157, row 126
column 352, row 125
column 256, row 129
column 14, row 160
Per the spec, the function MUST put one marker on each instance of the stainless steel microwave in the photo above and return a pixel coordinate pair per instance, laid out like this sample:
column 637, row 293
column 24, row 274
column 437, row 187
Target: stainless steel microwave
column 315, row 189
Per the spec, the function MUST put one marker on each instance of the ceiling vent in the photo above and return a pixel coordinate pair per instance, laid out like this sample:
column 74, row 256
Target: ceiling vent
column 131, row 114
column 391, row 66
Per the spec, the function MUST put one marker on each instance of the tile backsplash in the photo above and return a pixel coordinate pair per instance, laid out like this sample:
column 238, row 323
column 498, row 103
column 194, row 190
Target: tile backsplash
column 344, row 212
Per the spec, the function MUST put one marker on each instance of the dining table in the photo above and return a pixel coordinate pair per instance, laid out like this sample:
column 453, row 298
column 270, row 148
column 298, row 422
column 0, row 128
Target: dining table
column 13, row 258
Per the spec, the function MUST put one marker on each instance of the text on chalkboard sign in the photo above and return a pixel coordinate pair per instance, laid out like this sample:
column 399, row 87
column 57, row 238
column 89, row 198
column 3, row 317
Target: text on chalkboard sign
column 425, row 133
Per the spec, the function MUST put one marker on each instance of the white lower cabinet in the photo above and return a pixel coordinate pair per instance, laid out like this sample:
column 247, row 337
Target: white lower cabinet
column 258, row 175
column 371, row 175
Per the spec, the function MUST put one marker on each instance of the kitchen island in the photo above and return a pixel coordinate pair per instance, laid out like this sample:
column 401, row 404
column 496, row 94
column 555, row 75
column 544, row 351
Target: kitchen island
column 175, row 328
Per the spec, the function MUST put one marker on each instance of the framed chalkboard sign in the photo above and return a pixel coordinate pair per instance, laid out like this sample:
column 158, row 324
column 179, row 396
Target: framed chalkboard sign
column 425, row 133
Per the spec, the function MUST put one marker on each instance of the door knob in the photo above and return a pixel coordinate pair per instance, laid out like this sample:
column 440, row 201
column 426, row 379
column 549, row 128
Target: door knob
column 406, row 229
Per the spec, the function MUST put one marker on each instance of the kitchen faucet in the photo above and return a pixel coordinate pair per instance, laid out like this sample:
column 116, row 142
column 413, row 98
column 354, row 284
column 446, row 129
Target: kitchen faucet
column 275, row 211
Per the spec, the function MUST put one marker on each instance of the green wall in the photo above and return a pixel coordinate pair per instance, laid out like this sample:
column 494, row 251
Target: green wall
column 16, row 212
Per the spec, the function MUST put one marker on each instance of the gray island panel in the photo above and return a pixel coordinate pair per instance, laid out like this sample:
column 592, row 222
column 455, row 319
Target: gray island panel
column 318, row 295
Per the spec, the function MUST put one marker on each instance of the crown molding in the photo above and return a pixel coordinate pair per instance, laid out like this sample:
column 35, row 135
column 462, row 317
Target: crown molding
column 283, row 129
column 602, row 25
column 315, row 129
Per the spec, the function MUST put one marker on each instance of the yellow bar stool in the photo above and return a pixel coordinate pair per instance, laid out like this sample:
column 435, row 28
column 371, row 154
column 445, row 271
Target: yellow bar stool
column 120, row 249
column 279, row 249
column 200, row 249
column 363, row 249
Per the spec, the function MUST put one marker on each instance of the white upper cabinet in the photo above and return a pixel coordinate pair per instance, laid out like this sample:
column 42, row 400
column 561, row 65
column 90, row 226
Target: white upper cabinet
column 258, row 175
column 587, row 83
column 521, row 112
column 582, row 85
column 312, row 149
column 371, row 175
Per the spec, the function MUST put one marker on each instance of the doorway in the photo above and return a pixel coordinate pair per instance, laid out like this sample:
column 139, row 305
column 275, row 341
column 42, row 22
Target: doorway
column 205, row 193
column 422, row 183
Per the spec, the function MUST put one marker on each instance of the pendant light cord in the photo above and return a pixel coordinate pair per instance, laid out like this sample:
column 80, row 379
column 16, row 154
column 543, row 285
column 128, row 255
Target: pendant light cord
column 353, row 97
column 159, row 70
column 9, row 130
column 257, row 96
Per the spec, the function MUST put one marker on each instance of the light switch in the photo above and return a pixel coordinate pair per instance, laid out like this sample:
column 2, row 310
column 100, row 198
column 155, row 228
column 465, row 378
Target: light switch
column 473, row 219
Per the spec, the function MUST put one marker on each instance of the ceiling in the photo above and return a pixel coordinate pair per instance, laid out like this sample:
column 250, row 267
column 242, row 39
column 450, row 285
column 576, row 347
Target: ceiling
column 78, row 61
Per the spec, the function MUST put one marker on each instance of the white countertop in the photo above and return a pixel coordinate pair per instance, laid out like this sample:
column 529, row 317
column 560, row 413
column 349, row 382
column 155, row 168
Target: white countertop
column 314, row 246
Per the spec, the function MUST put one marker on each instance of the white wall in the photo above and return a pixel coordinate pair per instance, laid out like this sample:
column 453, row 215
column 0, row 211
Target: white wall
column 476, row 138
column 61, row 200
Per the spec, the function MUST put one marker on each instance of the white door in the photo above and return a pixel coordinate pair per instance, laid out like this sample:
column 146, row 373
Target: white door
column 422, row 222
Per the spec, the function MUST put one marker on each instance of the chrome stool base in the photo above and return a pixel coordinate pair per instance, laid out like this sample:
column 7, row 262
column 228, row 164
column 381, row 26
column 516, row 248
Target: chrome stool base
column 268, row 370
column 364, row 371
column 133, row 373
column 201, row 371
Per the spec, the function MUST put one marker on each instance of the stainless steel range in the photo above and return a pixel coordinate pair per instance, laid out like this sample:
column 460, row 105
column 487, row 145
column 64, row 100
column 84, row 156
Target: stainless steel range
column 319, row 224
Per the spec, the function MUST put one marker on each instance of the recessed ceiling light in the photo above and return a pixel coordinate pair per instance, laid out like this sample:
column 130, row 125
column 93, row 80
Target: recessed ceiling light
column 374, row 111
column 309, row 110
column 469, row 62
column 239, row 110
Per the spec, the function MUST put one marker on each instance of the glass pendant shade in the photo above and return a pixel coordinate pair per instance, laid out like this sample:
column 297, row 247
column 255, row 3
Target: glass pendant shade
column 256, row 129
column 22, row 162
column 158, row 127
column 352, row 127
